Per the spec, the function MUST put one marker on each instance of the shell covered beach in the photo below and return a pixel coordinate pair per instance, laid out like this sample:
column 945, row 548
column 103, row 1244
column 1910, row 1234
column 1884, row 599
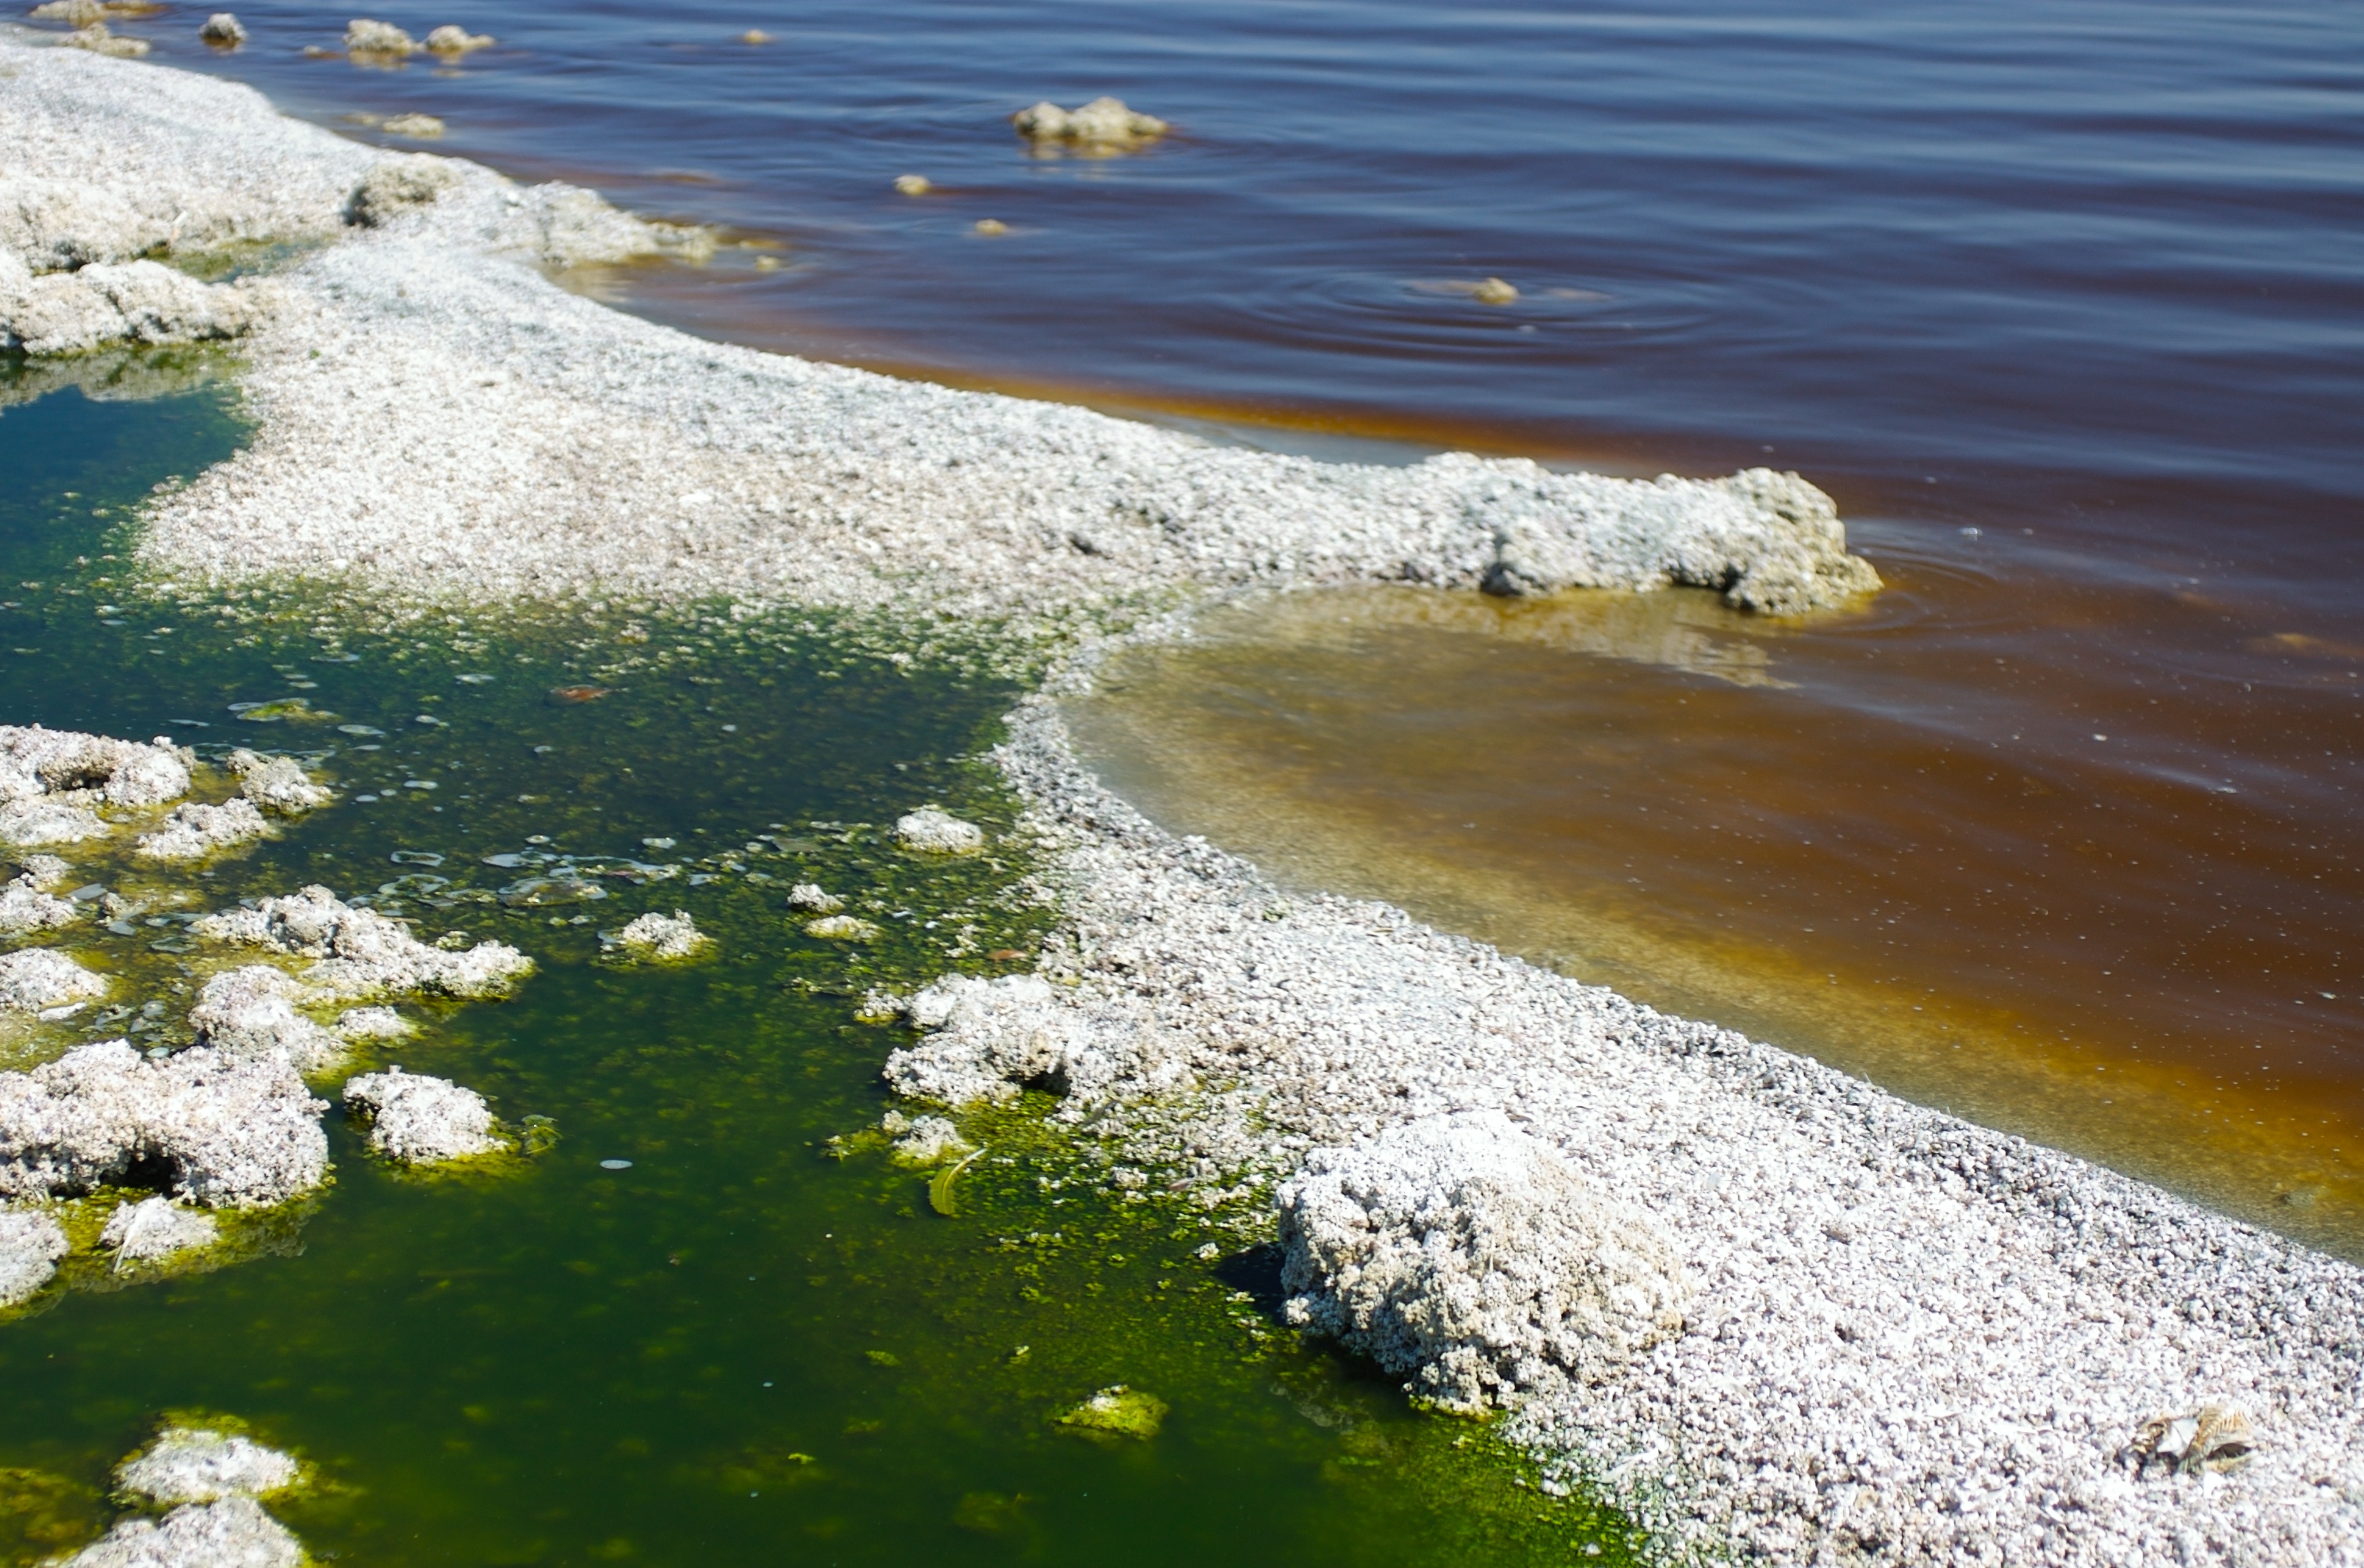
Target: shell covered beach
column 568, row 997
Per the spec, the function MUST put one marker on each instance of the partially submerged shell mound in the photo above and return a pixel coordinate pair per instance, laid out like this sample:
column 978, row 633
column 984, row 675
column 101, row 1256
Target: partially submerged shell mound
column 842, row 928
column 31, row 1244
column 204, row 1464
column 38, row 979
column 419, row 1120
column 137, row 301
column 1104, row 125
column 924, row 1141
column 365, row 36
column 225, row 1132
column 931, row 830
column 362, row 953
column 990, row 1037
column 195, row 830
column 396, row 186
column 1468, row 1255
column 25, row 909
column 276, row 784
column 50, row 779
column 1765, row 540
column 662, row 937
column 231, row 1533
column 153, row 1229
column 251, row 1012
column 1116, row 1411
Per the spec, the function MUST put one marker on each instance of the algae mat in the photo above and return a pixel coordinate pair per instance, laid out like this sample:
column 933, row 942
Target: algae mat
column 747, row 1342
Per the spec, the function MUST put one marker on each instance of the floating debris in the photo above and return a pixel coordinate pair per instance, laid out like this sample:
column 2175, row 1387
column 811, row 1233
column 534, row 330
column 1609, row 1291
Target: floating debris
column 568, row 695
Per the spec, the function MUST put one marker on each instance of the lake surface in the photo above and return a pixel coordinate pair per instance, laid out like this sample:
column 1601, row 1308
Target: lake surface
column 736, row 1347
column 2061, row 302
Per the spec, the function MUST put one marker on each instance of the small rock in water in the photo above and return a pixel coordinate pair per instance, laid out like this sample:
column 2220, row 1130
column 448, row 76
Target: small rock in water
column 655, row 936
column 1117, row 1411
column 932, row 830
column 152, row 1229
column 451, row 39
column 223, row 30
column 1102, row 125
column 1494, row 291
column 363, row 35
column 840, row 928
column 755, row 35
column 202, row 1464
column 913, row 185
column 812, row 896
column 991, row 225
column 418, row 127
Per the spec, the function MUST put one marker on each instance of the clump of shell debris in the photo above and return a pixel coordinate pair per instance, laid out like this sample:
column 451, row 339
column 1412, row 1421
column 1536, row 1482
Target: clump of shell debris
column 1765, row 1308
column 229, row 1122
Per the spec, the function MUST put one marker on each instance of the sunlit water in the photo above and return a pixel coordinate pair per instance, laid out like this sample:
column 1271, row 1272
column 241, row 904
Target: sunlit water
column 738, row 1348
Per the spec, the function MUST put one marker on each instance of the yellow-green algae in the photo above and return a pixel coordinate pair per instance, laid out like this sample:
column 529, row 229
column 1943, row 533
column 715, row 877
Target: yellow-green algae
column 670, row 1359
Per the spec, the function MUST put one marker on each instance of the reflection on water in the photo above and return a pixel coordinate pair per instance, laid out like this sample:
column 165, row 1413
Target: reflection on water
column 1958, row 842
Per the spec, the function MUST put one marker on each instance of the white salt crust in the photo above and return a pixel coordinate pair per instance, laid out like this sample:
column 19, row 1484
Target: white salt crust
column 231, row 1533
column 420, row 1121
column 198, row 1464
column 151, row 1230
column 1906, row 1339
column 663, row 937
column 228, row 1132
column 31, row 1244
column 362, row 953
column 36, row 979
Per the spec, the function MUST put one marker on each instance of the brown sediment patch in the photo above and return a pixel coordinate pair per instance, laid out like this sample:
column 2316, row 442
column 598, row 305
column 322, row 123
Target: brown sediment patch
column 1810, row 834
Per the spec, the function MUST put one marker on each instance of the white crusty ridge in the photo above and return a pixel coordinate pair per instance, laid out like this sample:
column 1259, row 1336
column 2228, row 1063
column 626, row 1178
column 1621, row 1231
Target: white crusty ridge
column 1903, row 1338
column 362, row 953
column 436, row 416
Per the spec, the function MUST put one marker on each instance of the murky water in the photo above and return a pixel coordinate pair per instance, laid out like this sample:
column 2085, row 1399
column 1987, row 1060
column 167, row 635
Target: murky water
column 2116, row 913
column 740, row 1347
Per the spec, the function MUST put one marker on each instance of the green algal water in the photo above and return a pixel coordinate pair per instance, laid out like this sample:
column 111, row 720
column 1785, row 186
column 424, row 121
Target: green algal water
column 763, row 1339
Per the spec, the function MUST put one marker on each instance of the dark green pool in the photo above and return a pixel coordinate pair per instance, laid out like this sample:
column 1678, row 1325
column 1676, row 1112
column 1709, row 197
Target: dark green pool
column 741, row 1348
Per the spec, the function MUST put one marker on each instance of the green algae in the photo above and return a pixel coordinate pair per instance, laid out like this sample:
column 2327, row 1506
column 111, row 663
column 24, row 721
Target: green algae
column 762, row 1338
column 1117, row 1411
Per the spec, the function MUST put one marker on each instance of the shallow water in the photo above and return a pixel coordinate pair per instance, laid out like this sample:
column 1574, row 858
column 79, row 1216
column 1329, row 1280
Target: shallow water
column 738, row 1347
column 2028, row 900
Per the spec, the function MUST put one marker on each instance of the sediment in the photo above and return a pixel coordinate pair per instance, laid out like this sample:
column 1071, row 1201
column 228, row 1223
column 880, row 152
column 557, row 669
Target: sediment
column 1769, row 1309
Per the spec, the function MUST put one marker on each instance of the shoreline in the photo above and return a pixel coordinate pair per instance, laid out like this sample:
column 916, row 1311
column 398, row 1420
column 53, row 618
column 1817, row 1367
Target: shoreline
column 1909, row 1338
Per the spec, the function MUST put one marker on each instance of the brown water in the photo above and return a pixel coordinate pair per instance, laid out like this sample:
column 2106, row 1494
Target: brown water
column 2079, row 865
